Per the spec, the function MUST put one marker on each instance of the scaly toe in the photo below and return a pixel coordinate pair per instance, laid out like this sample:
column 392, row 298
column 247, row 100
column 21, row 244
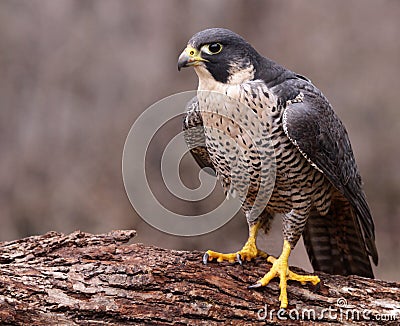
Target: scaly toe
column 246, row 254
column 303, row 279
column 211, row 255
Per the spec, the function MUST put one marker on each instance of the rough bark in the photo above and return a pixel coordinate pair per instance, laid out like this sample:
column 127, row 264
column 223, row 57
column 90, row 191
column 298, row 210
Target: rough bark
column 84, row 279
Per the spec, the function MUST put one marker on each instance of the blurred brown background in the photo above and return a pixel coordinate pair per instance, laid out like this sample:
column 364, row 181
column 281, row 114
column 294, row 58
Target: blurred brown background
column 74, row 76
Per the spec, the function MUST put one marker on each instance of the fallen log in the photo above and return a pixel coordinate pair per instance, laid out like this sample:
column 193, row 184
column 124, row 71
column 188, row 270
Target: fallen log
column 85, row 279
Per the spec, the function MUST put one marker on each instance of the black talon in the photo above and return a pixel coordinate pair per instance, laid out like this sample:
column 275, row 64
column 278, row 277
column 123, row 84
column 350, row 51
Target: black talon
column 239, row 259
column 255, row 286
column 317, row 287
column 205, row 258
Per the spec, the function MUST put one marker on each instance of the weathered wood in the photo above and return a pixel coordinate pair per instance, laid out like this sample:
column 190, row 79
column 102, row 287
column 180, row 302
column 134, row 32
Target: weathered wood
column 84, row 279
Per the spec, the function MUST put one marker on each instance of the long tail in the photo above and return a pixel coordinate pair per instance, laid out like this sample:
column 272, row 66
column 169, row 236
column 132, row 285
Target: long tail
column 334, row 242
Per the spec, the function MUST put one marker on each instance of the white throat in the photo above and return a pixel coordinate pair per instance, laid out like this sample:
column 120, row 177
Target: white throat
column 207, row 81
column 236, row 77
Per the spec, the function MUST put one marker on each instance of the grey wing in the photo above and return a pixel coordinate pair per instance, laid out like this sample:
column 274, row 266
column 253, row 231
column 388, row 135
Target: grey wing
column 194, row 136
column 321, row 137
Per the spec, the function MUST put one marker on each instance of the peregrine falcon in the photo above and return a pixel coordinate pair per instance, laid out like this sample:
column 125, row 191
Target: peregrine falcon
column 317, row 186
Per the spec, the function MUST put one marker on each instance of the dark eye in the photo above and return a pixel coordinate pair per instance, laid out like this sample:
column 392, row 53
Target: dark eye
column 213, row 48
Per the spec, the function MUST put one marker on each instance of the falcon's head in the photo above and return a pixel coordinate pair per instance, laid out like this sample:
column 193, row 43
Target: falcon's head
column 220, row 54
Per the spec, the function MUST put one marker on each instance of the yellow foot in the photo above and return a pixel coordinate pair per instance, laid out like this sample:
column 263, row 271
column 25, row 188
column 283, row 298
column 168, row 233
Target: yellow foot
column 280, row 269
column 246, row 253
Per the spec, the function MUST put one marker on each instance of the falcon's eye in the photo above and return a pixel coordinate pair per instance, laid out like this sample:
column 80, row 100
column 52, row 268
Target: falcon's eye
column 212, row 48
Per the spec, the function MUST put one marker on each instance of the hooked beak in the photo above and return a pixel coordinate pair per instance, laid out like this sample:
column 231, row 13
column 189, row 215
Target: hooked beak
column 190, row 57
